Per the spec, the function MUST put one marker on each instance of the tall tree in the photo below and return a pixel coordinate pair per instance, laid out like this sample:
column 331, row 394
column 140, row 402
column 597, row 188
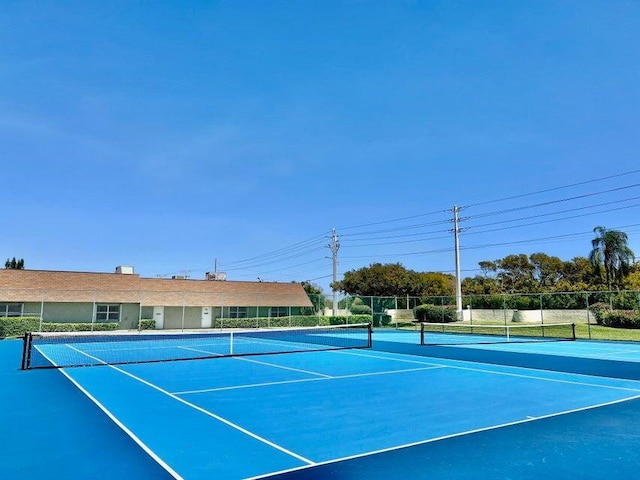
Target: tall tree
column 380, row 280
column 547, row 270
column 611, row 253
column 314, row 292
column 516, row 273
column 14, row 264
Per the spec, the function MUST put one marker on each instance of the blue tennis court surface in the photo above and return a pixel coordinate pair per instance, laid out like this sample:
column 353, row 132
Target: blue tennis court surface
column 243, row 417
column 620, row 351
column 390, row 412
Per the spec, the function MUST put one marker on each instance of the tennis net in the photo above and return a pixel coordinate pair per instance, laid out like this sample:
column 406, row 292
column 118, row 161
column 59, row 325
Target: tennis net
column 457, row 333
column 75, row 349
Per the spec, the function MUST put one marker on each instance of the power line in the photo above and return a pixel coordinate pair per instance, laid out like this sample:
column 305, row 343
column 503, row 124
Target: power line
column 280, row 251
column 400, row 219
column 551, row 202
column 513, row 197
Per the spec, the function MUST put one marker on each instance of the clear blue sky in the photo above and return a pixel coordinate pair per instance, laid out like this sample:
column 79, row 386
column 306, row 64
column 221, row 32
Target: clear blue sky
column 165, row 135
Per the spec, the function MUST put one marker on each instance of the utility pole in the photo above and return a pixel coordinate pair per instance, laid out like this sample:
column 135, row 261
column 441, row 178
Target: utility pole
column 456, row 231
column 334, row 246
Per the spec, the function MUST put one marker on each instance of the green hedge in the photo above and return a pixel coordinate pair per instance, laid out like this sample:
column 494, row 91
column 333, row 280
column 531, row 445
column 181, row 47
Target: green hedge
column 435, row 314
column 18, row 326
column 79, row 327
column 621, row 319
column 381, row 319
column 293, row 321
column 147, row 324
column 599, row 310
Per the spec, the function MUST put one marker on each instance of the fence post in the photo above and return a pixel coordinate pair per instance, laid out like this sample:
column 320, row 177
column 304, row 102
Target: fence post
column 93, row 315
column 41, row 310
column 184, row 305
column 373, row 316
column 541, row 311
column 504, row 307
column 588, row 316
column 140, row 312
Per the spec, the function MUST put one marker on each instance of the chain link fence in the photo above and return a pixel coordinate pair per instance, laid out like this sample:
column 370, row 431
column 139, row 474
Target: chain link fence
column 562, row 307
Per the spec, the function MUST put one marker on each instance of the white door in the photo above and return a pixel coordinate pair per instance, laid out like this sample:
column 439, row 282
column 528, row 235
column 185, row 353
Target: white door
column 158, row 316
column 206, row 317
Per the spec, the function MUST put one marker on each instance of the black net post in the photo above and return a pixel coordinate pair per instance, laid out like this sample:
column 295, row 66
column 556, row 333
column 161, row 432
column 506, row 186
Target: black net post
column 26, row 350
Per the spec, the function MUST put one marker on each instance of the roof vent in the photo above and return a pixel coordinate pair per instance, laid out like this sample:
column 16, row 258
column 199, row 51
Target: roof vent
column 125, row 270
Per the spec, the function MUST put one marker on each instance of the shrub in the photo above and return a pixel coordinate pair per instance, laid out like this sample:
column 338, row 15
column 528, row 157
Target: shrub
column 358, row 307
column 599, row 310
column 18, row 326
column 293, row 321
column 381, row 319
column 621, row 319
column 79, row 327
column 147, row 324
column 345, row 319
column 435, row 314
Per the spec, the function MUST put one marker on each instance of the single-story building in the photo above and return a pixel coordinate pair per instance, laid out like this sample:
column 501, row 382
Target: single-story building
column 125, row 297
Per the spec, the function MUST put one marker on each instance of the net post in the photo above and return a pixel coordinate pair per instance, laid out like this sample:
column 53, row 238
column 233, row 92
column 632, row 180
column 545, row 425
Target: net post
column 26, row 350
column 230, row 343
column 370, row 335
column 421, row 333
column 573, row 331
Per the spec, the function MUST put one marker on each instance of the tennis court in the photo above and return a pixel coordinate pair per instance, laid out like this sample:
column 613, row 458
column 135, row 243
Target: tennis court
column 341, row 413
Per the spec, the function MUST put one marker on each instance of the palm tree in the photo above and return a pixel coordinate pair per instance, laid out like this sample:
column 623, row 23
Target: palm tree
column 611, row 253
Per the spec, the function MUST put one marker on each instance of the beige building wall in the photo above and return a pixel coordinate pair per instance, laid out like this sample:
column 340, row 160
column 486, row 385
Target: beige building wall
column 129, row 314
column 68, row 312
column 173, row 317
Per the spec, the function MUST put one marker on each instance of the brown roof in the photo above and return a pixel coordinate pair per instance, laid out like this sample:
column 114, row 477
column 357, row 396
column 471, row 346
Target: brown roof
column 58, row 286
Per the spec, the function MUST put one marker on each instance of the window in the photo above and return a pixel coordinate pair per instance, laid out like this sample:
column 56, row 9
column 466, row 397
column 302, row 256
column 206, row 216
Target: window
column 237, row 312
column 279, row 311
column 10, row 309
column 107, row 313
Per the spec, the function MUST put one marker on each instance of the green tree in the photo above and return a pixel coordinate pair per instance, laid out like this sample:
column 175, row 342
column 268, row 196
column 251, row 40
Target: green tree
column 516, row 273
column 314, row 292
column 480, row 285
column 436, row 284
column 14, row 264
column 578, row 275
column 611, row 253
column 380, row 280
column 547, row 270
column 393, row 279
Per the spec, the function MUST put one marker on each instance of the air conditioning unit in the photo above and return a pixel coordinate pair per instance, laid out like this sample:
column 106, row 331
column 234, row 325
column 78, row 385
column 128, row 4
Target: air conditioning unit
column 125, row 270
column 218, row 276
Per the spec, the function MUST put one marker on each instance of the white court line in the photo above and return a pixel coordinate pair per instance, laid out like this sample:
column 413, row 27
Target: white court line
column 202, row 410
column 444, row 437
column 244, row 359
column 132, row 435
column 509, row 374
column 609, row 353
column 302, row 380
column 259, row 362
column 422, row 362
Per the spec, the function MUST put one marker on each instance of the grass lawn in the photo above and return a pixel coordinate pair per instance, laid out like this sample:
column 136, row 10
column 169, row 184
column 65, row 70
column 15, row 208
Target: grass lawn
column 583, row 331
